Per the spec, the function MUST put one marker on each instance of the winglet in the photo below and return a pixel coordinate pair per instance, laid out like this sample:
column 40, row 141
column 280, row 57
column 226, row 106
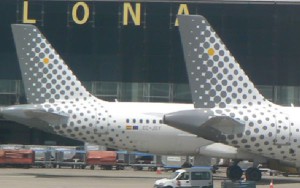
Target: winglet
column 46, row 77
column 215, row 78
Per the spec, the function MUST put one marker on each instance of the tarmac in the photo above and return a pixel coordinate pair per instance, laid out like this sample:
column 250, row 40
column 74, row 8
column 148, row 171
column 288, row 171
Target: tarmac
column 86, row 178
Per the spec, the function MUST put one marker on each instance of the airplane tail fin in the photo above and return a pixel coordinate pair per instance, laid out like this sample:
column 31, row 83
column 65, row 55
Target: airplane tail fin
column 45, row 75
column 216, row 79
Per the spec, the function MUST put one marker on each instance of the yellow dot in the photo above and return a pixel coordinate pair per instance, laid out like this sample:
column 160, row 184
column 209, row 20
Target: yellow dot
column 211, row 51
column 46, row 60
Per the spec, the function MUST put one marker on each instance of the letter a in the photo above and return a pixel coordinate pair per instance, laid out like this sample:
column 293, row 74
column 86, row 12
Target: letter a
column 183, row 9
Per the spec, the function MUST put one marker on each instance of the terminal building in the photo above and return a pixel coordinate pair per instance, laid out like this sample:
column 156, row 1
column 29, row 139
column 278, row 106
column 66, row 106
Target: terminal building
column 131, row 50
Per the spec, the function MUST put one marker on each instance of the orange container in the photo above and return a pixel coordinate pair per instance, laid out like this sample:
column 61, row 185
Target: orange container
column 16, row 157
column 101, row 158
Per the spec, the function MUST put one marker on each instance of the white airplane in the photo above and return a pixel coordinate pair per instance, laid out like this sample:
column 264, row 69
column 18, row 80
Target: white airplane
column 59, row 104
column 228, row 108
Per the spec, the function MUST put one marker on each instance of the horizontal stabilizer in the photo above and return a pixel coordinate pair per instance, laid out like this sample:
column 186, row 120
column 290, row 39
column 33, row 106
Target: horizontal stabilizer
column 202, row 123
column 225, row 125
column 49, row 117
column 33, row 113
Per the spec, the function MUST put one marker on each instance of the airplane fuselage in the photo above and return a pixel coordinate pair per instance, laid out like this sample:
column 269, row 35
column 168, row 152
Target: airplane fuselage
column 129, row 126
column 271, row 131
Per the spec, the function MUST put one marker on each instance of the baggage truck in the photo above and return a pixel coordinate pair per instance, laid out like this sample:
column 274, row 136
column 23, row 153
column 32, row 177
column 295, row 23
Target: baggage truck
column 139, row 161
column 106, row 160
column 66, row 157
column 17, row 158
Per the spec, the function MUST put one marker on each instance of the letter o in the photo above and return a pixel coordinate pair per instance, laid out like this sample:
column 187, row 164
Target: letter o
column 86, row 13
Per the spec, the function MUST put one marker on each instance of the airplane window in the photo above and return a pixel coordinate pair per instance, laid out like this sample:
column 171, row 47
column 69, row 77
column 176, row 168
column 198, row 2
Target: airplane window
column 134, row 121
column 160, row 121
column 147, row 121
column 127, row 120
column 141, row 121
column 154, row 121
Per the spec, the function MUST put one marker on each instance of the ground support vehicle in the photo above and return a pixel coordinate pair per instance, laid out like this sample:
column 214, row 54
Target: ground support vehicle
column 43, row 158
column 199, row 177
column 17, row 158
column 70, row 158
column 139, row 161
column 106, row 160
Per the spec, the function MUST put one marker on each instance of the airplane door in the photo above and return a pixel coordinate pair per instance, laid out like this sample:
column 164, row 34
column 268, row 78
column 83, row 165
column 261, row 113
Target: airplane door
column 282, row 130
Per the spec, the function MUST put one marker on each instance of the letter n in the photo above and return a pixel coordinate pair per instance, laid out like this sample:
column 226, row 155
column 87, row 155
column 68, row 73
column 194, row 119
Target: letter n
column 135, row 15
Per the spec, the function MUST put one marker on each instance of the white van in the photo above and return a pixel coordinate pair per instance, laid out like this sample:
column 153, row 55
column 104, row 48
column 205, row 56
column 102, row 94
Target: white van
column 196, row 177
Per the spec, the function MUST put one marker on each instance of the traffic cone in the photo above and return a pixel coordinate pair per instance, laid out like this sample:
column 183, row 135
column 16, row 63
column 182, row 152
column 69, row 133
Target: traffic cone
column 271, row 184
column 158, row 171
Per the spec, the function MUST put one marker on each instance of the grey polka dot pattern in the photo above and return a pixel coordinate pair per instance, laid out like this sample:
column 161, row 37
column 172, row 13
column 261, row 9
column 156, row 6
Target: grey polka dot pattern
column 219, row 84
column 217, row 78
column 49, row 83
column 51, row 87
column 46, row 77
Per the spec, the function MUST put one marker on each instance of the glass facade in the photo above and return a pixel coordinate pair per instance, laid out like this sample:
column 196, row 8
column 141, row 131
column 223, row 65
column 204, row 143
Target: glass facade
column 117, row 41
column 131, row 51
column 12, row 92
